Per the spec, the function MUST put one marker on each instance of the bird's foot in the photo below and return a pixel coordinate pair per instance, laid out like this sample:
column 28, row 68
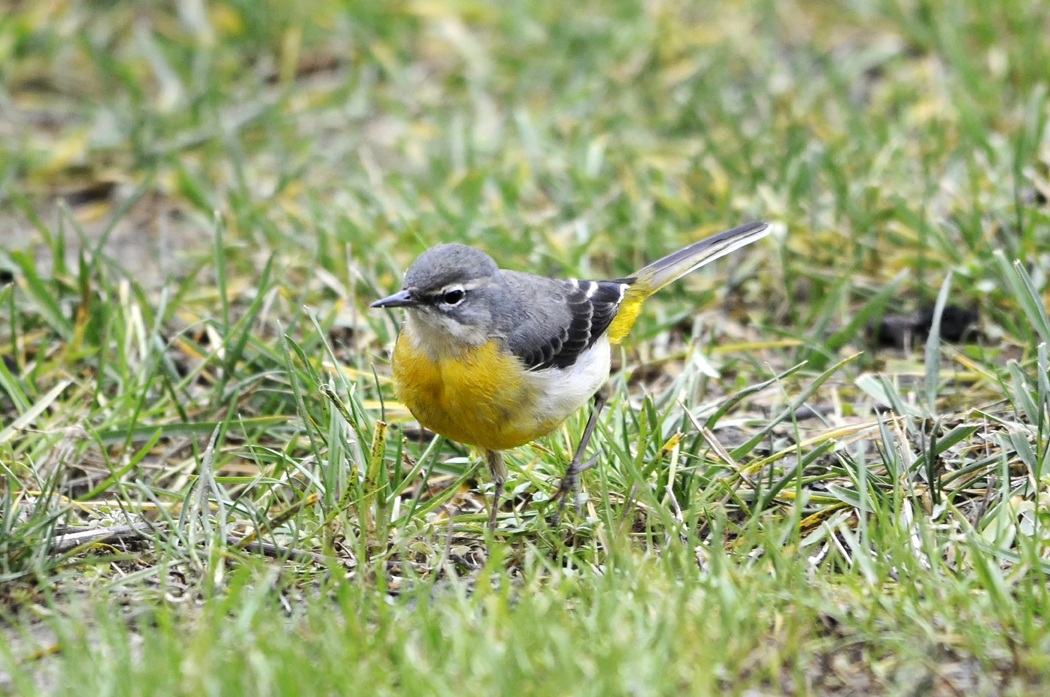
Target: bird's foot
column 570, row 486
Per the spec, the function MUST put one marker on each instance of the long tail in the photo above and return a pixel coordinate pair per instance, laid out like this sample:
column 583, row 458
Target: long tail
column 672, row 267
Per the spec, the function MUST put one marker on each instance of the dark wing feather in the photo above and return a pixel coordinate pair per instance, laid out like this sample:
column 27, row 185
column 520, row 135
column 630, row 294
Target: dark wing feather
column 590, row 308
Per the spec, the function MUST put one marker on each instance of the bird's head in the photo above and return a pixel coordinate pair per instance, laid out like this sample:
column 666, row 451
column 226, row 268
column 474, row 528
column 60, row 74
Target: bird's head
column 449, row 294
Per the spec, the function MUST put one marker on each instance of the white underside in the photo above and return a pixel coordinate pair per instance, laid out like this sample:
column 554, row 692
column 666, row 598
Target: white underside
column 564, row 390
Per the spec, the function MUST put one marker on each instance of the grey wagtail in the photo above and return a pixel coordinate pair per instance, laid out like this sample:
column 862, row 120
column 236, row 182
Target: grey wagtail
column 496, row 358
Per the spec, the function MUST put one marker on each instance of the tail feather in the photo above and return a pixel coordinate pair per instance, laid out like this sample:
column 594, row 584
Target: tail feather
column 672, row 267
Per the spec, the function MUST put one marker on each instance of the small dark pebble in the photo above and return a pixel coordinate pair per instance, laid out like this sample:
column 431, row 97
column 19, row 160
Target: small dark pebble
column 905, row 331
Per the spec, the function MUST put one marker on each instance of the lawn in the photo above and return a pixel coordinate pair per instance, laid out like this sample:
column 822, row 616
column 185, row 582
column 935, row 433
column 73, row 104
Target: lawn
column 821, row 470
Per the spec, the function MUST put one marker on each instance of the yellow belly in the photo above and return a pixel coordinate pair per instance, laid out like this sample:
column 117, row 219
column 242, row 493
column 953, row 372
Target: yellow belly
column 478, row 397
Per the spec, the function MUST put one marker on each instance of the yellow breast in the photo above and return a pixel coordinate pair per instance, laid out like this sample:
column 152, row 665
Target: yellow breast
column 477, row 396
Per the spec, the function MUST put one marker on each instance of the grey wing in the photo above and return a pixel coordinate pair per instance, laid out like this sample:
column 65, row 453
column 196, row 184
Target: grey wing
column 574, row 316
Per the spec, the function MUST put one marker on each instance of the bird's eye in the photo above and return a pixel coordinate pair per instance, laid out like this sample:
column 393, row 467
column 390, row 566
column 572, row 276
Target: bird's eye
column 453, row 296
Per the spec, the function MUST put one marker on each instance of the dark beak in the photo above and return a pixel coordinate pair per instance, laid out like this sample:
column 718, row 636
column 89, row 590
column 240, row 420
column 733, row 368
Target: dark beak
column 401, row 299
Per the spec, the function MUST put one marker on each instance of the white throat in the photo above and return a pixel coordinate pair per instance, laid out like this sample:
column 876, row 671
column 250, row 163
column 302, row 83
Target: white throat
column 441, row 337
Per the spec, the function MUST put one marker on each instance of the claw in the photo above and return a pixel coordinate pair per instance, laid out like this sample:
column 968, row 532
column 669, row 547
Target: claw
column 570, row 484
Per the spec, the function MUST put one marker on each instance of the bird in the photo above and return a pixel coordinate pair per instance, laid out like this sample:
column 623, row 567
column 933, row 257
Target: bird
column 496, row 358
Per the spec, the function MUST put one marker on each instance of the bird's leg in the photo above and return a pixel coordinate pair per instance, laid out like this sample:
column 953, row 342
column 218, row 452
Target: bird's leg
column 498, row 469
column 570, row 483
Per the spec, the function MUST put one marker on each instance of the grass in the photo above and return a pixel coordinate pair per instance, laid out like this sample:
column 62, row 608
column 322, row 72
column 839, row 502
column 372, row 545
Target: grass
column 199, row 204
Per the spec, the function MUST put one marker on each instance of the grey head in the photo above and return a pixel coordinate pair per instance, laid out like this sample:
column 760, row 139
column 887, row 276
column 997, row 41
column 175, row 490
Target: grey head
column 453, row 289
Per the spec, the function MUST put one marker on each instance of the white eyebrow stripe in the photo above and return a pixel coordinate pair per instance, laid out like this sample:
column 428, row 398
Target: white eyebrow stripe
column 471, row 285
